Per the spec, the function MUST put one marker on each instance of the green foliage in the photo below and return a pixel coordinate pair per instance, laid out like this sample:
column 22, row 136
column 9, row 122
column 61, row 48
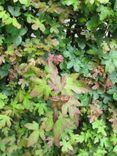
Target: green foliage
column 58, row 75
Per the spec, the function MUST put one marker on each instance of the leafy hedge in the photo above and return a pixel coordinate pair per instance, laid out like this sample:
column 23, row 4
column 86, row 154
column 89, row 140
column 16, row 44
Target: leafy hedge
column 58, row 74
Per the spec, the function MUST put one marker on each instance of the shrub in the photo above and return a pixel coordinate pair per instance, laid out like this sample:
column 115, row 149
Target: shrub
column 58, row 74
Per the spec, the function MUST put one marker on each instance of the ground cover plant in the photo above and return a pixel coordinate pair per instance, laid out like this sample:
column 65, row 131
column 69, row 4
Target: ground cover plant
column 58, row 76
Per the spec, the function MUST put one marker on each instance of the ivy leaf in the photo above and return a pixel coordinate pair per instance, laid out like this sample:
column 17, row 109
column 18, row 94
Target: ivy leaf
column 60, row 125
column 56, row 82
column 110, row 61
column 38, row 24
column 23, row 31
column 115, row 96
column 115, row 5
column 92, row 23
column 103, row 1
column 32, row 126
column 41, row 108
column 92, row 51
column 4, row 70
column 70, row 64
column 81, row 45
column 2, row 104
column 2, row 100
column 15, row 23
column 40, row 88
column 48, row 122
column 104, row 12
column 74, row 3
column 113, row 77
column 83, row 152
column 1, row 39
column 115, row 149
column 33, row 138
column 100, row 126
column 71, row 107
column 5, row 121
column 73, row 85
column 25, row 2
column 77, row 65
column 17, row 40
column 66, row 146
column 27, row 103
column 81, row 137
column 15, row 11
column 95, row 112
column 15, row 0
column 14, row 35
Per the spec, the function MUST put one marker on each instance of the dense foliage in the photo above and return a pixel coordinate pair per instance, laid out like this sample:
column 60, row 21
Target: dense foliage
column 58, row 76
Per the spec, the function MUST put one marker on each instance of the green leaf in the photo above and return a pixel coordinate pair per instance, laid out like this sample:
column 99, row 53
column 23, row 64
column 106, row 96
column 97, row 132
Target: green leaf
column 66, row 146
column 70, row 64
column 115, row 5
column 15, row 23
column 49, row 121
column 71, row 108
column 92, row 51
column 41, row 108
column 100, row 126
column 23, row 31
column 17, row 40
column 81, row 45
column 5, row 121
column 2, row 100
column 73, row 85
column 92, row 23
column 103, row 1
column 33, row 138
column 15, row 11
column 105, row 12
column 4, row 70
column 76, row 66
column 115, row 149
column 74, row 3
column 32, row 126
column 115, row 96
column 38, row 24
column 1, row 39
column 27, row 103
column 40, row 88
column 3, row 96
column 110, row 61
column 25, row 2
column 60, row 125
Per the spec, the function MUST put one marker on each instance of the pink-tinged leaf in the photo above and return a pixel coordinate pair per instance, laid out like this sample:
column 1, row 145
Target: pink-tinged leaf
column 114, row 123
column 55, row 79
column 113, row 118
column 56, row 59
column 109, row 83
column 50, row 141
column 95, row 112
column 65, row 84
column 95, row 86
column 72, row 108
